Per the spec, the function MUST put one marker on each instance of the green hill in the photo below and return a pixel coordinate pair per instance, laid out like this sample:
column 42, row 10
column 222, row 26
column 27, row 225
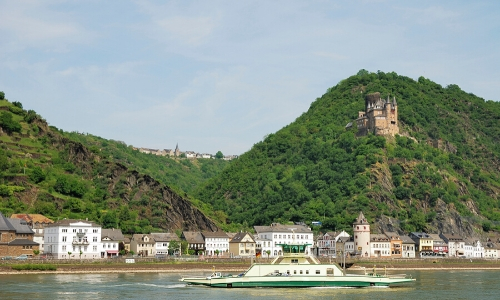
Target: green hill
column 440, row 174
column 70, row 175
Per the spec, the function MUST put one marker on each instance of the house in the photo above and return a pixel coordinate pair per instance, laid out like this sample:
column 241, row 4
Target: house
column 491, row 250
column 195, row 240
column 111, row 240
column 16, row 237
column 326, row 243
column 190, row 154
column 456, row 245
column 423, row 244
column 216, row 243
column 285, row 234
column 380, row 246
column 73, row 239
column 163, row 241
column 478, row 249
column 468, row 250
column 242, row 244
column 408, row 246
column 263, row 246
column 37, row 223
column 396, row 244
column 439, row 246
column 143, row 245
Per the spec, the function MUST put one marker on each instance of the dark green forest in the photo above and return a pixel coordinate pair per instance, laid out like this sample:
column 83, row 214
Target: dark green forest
column 446, row 159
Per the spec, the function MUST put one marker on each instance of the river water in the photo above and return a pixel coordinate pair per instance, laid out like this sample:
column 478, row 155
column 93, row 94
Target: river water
column 448, row 284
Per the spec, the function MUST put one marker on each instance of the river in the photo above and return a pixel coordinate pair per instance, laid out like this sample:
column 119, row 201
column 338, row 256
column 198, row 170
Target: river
column 442, row 284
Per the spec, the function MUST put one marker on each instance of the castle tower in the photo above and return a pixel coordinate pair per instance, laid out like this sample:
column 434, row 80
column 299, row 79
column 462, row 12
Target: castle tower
column 380, row 116
column 361, row 229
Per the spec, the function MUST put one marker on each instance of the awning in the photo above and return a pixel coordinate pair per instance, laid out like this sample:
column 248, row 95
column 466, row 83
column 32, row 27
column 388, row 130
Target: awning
column 112, row 251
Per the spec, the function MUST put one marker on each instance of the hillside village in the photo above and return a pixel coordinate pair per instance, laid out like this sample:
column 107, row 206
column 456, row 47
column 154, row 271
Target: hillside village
column 31, row 235
column 182, row 154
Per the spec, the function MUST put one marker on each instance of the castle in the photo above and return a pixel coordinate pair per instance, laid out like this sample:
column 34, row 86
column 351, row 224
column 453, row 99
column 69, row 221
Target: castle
column 380, row 116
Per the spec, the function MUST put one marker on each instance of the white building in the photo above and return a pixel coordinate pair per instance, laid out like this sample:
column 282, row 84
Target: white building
column 380, row 245
column 73, row 239
column 111, row 239
column 456, row 245
column 162, row 243
column 477, row 250
column 216, row 243
column 285, row 234
column 468, row 250
column 326, row 243
column 408, row 247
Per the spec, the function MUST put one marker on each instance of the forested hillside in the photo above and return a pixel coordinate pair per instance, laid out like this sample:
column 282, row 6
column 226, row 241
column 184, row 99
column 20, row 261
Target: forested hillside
column 71, row 175
column 440, row 174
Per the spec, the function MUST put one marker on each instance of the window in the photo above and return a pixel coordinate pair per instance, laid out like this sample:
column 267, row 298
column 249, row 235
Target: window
column 65, row 230
column 300, row 272
column 294, row 271
column 318, row 272
column 94, row 248
column 307, row 271
column 64, row 239
column 95, row 239
column 64, row 248
column 74, row 230
column 329, row 271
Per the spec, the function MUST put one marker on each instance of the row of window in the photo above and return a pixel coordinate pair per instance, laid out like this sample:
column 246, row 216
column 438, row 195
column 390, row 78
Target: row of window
column 290, row 236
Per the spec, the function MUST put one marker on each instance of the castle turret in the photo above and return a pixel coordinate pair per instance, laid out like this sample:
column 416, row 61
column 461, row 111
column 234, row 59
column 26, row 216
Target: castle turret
column 361, row 229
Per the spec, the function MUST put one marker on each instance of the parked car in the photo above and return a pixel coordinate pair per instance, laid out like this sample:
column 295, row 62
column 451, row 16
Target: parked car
column 7, row 257
column 22, row 257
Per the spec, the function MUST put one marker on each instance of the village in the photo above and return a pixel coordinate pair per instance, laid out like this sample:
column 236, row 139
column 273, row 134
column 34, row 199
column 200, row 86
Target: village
column 26, row 236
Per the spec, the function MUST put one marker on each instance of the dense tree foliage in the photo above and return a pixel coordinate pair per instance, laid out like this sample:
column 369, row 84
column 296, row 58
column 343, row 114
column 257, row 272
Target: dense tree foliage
column 40, row 172
column 316, row 169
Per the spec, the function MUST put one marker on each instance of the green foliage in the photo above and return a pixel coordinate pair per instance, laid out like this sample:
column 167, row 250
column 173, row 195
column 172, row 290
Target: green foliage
column 37, row 175
column 2, row 95
column 17, row 104
column 315, row 169
column 38, row 267
column 8, row 123
column 219, row 155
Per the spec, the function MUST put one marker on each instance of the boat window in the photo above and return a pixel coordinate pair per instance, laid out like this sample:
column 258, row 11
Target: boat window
column 294, row 271
column 318, row 272
column 307, row 271
column 300, row 271
column 329, row 271
column 295, row 261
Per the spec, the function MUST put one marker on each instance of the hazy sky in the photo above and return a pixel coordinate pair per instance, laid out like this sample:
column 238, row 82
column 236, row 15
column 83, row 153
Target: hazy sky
column 220, row 75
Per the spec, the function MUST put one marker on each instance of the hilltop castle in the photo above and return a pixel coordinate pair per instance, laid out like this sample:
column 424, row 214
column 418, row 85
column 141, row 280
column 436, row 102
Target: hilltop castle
column 380, row 116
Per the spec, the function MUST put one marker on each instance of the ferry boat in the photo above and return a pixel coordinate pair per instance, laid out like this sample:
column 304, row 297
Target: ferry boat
column 295, row 268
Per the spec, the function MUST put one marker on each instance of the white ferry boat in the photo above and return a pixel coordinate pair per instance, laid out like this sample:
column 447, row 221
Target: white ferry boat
column 294, row 268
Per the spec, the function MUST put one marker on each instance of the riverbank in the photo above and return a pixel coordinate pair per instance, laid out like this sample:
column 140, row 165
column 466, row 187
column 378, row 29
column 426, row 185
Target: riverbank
column 237, row 267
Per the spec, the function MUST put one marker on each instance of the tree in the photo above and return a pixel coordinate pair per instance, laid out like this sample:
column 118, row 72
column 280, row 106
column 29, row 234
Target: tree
column 2, row 95
column 173, row 246
column 8, row 123
column 219, row 155
column 268, row 252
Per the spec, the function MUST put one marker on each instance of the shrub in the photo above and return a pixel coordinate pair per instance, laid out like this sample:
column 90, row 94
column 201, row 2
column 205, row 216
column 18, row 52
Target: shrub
column 40, row 267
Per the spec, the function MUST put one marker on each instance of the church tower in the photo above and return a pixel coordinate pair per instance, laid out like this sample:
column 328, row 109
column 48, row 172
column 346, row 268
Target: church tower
column 177, row 152
column 361, row 229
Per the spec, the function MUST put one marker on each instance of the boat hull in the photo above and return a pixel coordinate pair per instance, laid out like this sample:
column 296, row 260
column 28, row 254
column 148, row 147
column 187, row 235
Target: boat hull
column 297, row 281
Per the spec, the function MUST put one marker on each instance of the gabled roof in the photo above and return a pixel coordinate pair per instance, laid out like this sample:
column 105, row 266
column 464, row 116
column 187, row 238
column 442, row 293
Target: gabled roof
column 240, row 236
column 214, row 234
column 392, row 235
column 21, row 226
column 5, row 225
column 139, row 237
column 165, row 237
column 406, row 239
column 113, row 234
column 451, row 238
column 193, row 237
column 33, row 218
column 23, row 242
column 379, row 238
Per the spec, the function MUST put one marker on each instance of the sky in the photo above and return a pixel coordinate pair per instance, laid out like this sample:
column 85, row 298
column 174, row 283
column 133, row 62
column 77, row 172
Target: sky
column 221, row 75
